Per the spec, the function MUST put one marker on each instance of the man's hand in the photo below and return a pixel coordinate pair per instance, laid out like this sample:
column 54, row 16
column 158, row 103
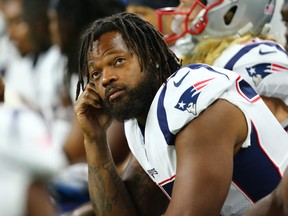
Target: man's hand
column 92, row 118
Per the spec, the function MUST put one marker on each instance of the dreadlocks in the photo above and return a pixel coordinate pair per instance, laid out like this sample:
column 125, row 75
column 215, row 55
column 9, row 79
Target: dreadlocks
column 141, row 38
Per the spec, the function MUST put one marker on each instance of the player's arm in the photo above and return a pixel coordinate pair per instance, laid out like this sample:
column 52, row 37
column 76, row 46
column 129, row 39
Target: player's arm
column 205, row 149
column 147, row 198
column 146, row 195
column 109, row 194
column 118, row 145
column 134, row 194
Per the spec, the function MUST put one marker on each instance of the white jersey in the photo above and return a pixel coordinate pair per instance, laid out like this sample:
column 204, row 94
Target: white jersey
column 39, row 86
column 263, row 64
column 259, row 164
column 38, row 83
column 28, row 152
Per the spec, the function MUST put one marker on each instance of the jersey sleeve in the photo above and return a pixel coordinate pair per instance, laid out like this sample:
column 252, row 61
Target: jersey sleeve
column 189, row 92
column 263, row 64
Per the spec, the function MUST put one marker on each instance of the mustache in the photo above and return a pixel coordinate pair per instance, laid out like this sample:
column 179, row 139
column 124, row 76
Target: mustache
column 111, row 89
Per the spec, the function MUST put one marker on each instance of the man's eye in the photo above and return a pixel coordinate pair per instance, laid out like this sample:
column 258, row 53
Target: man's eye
column 95, row 74
column 119, row 61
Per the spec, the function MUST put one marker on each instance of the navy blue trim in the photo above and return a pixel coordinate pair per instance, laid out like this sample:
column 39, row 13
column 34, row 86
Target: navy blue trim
column 161, row 112
column 246, row 49
column 197, row 66
column 142, row 129
column 286, row 128
column 168, row 188
column 254, row 173
column 247, row 90
column 162, row 119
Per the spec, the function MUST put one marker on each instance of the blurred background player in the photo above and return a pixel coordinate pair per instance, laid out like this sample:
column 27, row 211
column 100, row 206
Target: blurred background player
column 236, row 35
column 42, row 79
column 146, row 9
column 29, row 158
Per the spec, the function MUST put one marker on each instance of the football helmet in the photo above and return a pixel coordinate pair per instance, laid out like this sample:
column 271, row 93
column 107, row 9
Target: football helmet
column 219, row 18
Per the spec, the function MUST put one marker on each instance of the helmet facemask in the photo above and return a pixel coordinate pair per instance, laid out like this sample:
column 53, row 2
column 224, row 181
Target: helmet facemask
column 190, row 20
column 219, row 18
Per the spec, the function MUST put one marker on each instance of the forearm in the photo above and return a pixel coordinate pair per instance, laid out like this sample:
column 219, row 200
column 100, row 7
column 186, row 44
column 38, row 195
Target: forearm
column 108, row 193
column 261, row 208
column 269, row 205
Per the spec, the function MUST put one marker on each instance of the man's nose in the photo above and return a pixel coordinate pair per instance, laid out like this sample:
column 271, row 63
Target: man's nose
column 108, row 77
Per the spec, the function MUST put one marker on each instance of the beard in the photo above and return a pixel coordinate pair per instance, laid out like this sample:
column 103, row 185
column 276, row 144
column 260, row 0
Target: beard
column 136, row 102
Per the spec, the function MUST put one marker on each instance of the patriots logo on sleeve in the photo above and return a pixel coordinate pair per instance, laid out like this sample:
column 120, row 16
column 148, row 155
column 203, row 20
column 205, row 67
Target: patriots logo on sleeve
column 188, row 100
column 260, row 71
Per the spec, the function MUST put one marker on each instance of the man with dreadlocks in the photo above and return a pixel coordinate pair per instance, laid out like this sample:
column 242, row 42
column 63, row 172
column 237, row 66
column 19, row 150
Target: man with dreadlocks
column 200, row 133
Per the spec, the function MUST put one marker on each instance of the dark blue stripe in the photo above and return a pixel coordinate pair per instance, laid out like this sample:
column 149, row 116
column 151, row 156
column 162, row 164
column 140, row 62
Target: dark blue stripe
column 254, row 173
column 247, row 90
column 168, row 187
column 286, row 128
column 162, row 119
column 161, row 112
column 246, row 49
column 197, row 66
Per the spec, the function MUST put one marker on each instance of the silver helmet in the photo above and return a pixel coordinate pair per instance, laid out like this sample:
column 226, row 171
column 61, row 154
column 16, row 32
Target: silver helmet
column 220, row 18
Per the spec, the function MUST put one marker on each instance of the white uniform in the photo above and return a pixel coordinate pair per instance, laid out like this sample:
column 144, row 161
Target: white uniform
column 263, row 64
column 28, row 152
column 38, row 83
column 39, row 86
column 258, row 166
